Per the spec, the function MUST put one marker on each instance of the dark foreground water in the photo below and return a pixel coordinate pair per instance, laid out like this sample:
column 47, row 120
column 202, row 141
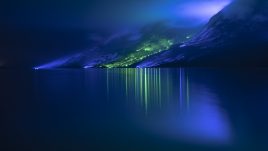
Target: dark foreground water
column 134, row 109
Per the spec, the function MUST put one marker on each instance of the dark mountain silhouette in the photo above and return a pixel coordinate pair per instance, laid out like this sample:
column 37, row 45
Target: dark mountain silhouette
column 236, row 36
column 123, row 48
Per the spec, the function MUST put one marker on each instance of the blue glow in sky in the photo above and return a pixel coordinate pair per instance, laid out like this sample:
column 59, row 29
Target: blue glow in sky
column 84, row 14
column 201, row 10
column 186, row 13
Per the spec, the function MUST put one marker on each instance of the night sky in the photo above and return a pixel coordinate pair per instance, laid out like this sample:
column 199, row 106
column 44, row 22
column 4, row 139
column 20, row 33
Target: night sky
column 33, row 32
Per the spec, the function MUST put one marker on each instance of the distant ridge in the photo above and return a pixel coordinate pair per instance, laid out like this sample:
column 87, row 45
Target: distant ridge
column 236, row 36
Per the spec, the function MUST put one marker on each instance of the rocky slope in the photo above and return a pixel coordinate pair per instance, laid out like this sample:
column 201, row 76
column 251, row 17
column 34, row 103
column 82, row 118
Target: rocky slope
column 125, row 48
column 236, row 36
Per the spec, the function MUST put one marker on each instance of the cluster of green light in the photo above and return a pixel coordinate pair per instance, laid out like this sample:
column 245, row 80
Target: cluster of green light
column 146, row 49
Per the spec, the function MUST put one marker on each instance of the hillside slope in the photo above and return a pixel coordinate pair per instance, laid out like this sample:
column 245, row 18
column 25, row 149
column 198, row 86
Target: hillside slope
column 236, row 36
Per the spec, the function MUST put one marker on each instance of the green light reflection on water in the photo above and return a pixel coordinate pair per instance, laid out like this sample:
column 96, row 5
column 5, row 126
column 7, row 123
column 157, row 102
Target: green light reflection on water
column 151, row 87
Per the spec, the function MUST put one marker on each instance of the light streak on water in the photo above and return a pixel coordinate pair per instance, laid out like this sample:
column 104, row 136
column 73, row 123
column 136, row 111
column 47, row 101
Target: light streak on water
column 150, row 87
column 187, row 91
column 167, row 102
column 181, row 97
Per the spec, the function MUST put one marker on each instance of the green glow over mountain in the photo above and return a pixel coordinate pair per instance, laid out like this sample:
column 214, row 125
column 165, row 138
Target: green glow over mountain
column 146, row 49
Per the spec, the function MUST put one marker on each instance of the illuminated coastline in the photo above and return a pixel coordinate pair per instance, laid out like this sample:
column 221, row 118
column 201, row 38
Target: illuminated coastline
column 155, row 45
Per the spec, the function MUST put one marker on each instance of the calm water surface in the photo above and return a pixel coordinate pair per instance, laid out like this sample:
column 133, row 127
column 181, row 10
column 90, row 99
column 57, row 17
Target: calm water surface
column 134, row 109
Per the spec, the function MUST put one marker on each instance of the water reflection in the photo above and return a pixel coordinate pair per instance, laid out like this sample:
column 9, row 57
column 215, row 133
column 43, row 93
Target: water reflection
column 150, row 87
column 174, row 106
column 135, row 109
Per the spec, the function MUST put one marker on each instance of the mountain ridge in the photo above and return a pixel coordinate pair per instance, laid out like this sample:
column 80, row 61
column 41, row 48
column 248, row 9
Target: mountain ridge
column 234, row 36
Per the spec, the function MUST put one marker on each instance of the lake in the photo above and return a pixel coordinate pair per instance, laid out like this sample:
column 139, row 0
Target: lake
column 134, row 109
